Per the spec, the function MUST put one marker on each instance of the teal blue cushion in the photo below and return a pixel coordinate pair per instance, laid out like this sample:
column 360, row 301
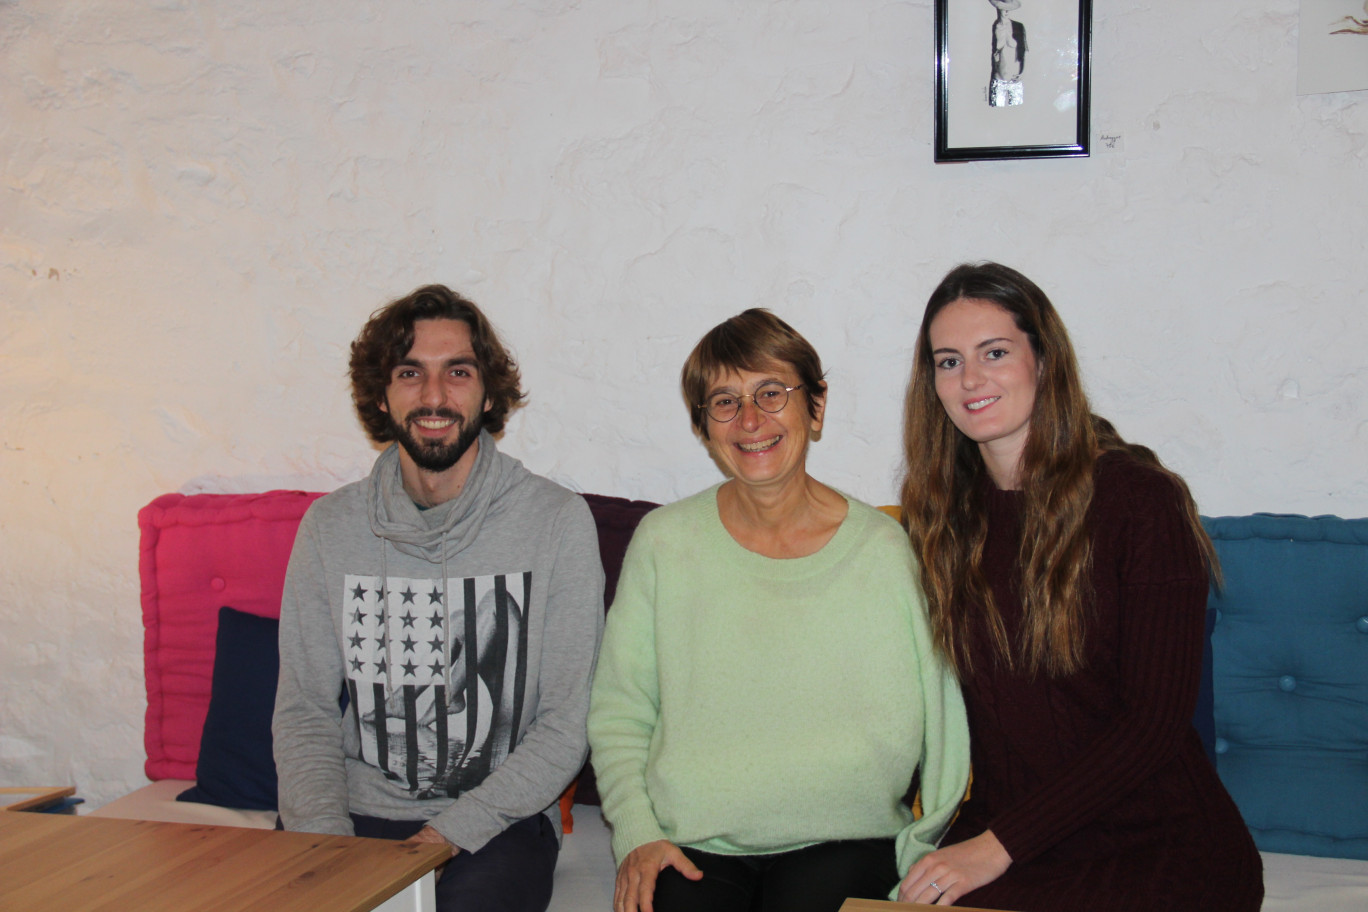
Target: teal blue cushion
column 1290, row 663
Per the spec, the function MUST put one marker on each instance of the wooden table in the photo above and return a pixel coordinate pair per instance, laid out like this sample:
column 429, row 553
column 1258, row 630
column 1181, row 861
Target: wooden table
column 874, row 905
column 35, row 798
column 52, row 863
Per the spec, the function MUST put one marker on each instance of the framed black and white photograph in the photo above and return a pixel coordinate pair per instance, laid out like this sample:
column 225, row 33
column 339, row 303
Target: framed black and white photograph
column 1012, row 79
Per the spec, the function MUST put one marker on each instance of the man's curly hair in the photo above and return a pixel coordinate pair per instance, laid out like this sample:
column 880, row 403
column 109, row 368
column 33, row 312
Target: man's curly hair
column 388, row 336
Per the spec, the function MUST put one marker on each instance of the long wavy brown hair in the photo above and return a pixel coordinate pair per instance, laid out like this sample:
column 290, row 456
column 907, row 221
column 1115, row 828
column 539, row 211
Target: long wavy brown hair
column 945, row 489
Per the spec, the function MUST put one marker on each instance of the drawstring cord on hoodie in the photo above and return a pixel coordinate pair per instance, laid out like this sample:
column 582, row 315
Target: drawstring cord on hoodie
column 385, row 621
column 390, row 522
column 384, row 615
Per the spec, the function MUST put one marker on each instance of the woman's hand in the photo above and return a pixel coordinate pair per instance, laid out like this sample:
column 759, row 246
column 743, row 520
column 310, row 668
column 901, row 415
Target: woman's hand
column 950, row 872
column 636, row 876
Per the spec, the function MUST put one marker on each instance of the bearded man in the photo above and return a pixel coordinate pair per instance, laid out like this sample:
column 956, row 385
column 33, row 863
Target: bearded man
column 453, row 601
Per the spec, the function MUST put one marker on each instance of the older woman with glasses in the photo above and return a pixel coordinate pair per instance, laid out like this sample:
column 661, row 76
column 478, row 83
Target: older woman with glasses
column 766, row 665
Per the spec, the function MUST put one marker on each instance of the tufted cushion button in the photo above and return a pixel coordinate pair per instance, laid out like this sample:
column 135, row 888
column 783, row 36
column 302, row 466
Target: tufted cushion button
column 1362, row 624
column 217, row 584
column 1287, row 683
column 1222, row 746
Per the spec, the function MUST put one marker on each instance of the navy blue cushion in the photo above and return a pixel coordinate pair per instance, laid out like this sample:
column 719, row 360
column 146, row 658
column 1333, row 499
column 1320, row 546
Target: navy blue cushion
column 236, row 766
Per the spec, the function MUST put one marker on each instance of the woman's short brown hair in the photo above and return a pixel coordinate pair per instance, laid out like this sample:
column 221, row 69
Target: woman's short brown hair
column 752, row 340
column 388, row 336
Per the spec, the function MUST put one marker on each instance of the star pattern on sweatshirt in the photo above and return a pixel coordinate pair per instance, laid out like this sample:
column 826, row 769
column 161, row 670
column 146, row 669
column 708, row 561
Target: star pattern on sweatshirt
column 381, row 622
column 403, row 651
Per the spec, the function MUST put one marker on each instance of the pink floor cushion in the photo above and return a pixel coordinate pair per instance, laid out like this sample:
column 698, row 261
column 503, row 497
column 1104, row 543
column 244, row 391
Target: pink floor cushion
column 198, row 554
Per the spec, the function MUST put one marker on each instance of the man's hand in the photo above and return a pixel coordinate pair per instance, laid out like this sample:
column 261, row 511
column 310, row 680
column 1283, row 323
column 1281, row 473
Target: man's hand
column 634, row 890
column 428, row 835
column 948, row 873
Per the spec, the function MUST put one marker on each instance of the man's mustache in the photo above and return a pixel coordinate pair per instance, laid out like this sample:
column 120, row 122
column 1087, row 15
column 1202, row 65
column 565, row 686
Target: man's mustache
column 434, row 413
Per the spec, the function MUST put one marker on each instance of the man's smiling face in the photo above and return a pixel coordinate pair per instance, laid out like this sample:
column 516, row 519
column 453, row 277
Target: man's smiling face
column 435, row 398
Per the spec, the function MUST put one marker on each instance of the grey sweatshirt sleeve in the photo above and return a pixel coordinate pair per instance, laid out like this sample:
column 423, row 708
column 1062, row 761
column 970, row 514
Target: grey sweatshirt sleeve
column 554, row 746
column 307, row 726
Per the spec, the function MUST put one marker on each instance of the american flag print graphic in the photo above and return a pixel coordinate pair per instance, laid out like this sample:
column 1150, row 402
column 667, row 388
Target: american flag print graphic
column 436, row 675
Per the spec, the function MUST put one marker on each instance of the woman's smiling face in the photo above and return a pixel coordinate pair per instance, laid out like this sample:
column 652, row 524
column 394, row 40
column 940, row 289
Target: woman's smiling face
column 760, row 448
column 986, row 376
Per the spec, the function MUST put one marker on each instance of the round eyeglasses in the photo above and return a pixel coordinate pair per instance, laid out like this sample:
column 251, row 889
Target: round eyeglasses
column 770, row 396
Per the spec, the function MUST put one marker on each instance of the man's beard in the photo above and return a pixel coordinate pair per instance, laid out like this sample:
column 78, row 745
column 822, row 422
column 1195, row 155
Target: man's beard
column 435, row 456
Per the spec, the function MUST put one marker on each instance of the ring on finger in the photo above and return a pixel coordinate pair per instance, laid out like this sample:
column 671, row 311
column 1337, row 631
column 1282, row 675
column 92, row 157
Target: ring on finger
column 938, row 889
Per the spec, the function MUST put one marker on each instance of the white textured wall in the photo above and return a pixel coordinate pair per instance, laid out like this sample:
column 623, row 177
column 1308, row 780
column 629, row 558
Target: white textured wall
column 202, row 201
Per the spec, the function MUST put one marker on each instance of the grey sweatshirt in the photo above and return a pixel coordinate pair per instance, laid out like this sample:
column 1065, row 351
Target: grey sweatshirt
column 463, row 640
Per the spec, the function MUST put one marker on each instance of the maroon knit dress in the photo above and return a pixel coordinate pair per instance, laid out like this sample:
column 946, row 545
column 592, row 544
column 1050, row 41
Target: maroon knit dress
column 1097, row 784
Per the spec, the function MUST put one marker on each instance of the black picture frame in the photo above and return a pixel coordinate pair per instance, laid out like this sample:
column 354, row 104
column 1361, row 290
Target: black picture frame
column 1012, row 86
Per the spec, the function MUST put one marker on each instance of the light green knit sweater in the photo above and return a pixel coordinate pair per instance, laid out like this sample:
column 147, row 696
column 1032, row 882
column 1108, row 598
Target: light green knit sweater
column 748, row 705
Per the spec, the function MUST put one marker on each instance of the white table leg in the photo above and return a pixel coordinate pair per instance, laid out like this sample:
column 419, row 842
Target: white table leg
column 419, row 896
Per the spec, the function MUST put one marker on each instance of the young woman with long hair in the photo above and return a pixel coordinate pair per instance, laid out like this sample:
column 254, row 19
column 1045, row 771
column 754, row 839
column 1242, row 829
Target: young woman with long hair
column 1066, row 574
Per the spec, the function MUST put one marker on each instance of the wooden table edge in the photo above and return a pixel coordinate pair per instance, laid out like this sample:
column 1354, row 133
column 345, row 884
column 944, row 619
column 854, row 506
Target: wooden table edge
column 384, row 894
column 42, row 796
column 419, row 860
column 878, row 905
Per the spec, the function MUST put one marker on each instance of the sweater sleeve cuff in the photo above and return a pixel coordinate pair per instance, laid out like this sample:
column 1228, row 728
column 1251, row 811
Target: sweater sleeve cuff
column 466, row 825
column 632, row 831
column 1015, row 837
